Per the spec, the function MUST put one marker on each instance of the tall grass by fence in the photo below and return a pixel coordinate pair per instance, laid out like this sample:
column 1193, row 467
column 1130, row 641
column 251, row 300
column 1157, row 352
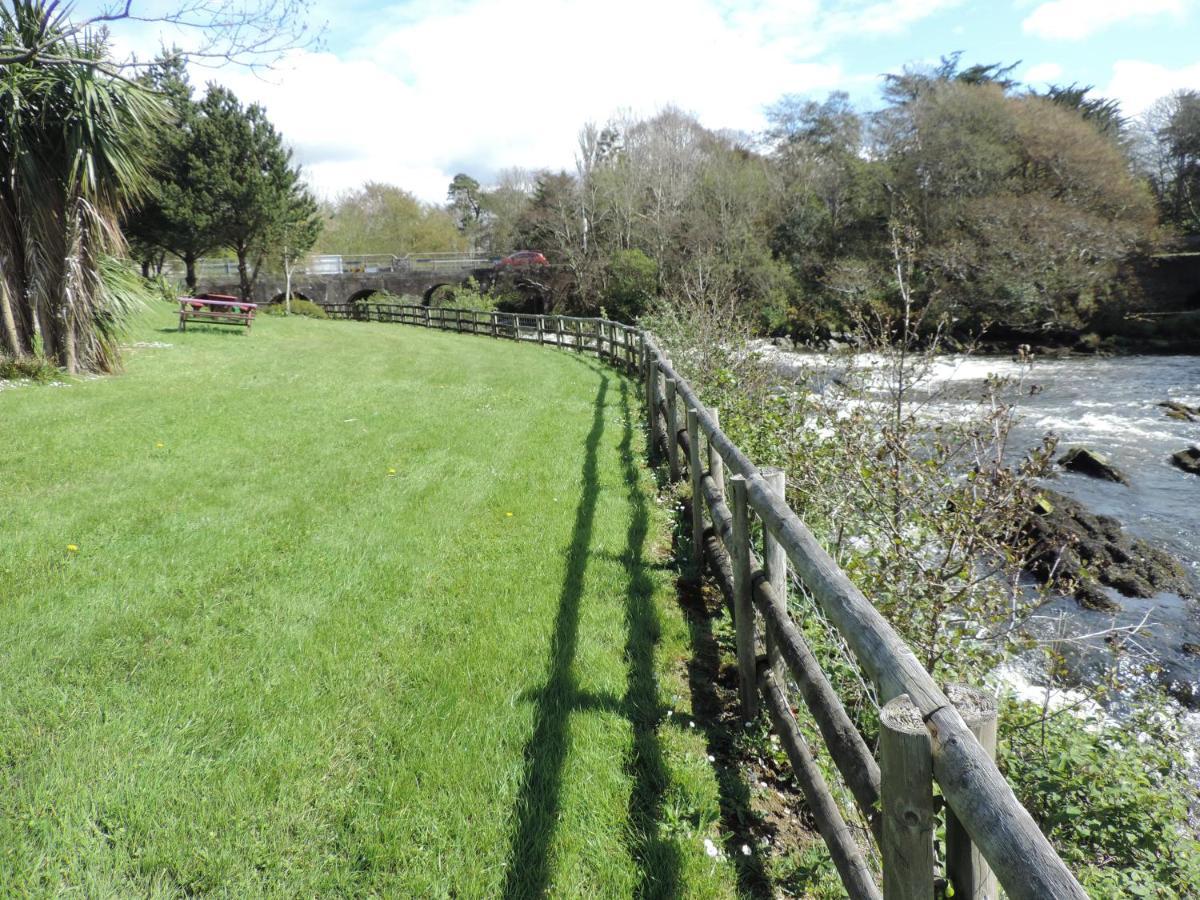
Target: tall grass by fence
column 929, row 734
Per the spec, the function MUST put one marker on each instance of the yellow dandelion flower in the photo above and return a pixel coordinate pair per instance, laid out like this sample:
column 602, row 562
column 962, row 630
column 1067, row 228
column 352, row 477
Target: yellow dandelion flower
column 159, row 444
column 391, row 472
column 508, row 514
column 71, row 548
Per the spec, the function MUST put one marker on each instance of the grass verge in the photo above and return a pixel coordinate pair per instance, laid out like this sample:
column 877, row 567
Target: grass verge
column 338, row 608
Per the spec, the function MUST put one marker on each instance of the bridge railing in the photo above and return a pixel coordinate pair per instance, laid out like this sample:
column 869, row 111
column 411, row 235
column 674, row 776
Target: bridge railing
column 344, row 264
column 929, row 734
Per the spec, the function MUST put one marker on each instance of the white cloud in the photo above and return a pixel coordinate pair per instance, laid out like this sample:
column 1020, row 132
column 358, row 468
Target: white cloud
column 1042, row 73
column 1137, row 84
column 1077, row 19
column 412, row 93
column 478, row 88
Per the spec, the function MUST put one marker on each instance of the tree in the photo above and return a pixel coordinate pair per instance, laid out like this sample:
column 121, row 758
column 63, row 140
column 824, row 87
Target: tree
column 177, row 214
column 259, row 204
column 632, row 282
column 1170, row 156
column 1023, row 208
column 1103, row 112
column 466, row 205
column 382, row 218
column 503, row 205
column 75, row 141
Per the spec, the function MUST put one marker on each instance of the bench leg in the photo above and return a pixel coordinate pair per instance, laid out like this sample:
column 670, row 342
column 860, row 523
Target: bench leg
column 183, row 323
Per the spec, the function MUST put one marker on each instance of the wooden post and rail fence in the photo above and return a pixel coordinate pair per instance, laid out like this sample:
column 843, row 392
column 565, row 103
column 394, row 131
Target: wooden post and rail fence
column 929, row 734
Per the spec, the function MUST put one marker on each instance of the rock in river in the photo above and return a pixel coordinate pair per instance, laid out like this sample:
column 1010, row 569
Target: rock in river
column 1188, row 460
column 1072, row 546
column 1091, row 463
column 1181, row 411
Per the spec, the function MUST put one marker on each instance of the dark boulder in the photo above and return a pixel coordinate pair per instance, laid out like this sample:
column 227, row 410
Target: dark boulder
column 1181, row 411
column 1084, row 552
column 1188, row 460
column 1093, row 464
column 1180, row 683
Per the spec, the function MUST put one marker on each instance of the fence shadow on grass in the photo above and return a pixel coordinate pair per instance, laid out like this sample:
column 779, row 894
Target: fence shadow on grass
column 538, row 796
column 539, row 793
column 658, row 860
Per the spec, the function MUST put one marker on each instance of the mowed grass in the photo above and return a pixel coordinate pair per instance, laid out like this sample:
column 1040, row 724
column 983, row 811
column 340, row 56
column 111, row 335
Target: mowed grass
column 340, row 609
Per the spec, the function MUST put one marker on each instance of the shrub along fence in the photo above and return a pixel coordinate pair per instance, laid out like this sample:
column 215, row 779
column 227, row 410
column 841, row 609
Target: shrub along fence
column 928, row 734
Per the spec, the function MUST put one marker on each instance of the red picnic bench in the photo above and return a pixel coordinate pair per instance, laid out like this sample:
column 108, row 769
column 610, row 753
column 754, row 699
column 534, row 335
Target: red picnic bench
column 217, row 309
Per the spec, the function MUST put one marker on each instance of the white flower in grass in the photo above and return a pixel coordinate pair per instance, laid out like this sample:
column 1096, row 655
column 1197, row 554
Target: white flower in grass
column 711, row 849
column 745, row 849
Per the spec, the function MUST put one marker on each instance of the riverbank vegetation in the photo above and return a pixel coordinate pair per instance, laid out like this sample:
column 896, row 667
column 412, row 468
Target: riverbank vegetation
column 919, row 501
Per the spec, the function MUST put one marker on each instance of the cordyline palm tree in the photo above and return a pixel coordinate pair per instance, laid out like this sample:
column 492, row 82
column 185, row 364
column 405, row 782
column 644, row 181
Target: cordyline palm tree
column 75, row 138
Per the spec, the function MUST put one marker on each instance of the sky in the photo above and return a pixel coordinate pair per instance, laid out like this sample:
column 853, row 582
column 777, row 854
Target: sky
column 411, row 93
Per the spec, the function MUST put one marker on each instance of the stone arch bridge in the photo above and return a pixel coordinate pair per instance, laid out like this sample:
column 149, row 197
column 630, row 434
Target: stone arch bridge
column 347, row 287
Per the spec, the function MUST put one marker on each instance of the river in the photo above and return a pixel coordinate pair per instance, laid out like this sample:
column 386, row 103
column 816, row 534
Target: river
column 1108, row 404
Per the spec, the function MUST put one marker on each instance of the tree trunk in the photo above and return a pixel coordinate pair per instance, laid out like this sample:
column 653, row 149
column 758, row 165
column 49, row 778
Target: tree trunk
column 245, row 278
column 145, row 267
column 189, row 261
column 287, row 289
column 70, row 352
column 8, row 323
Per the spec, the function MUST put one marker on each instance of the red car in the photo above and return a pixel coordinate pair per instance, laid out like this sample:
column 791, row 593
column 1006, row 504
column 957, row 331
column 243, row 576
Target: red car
column 522, row 258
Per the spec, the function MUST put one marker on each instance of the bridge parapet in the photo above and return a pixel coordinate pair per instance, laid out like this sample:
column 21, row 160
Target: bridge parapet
column 347, row 264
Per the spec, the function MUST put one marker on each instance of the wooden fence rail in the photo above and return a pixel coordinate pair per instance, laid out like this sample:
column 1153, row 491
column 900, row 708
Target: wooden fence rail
column 925, row 738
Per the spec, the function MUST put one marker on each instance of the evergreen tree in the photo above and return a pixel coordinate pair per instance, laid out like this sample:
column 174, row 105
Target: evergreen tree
column 177, row 214
column 259, row 205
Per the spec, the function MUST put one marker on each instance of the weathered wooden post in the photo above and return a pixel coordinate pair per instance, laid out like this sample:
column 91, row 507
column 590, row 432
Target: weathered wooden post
column 716, row 465
column 906, row 795
column 743, row 602
column 695, row 473
column 541, row 330
column 495, row 325
column 672, row 430
column 656, row 403
column 966, row 868
column 648, row 381
column 775, row 565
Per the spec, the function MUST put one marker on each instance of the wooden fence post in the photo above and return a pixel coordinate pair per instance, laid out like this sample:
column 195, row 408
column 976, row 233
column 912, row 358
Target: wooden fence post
column 541, row 326
column 695, row 473
column 743, row 602
column 672, row 430
column 495, row 325
column 906, row 795
column 656, row 397
column 716, row 465
column 966, row 868
column 647, row 379
column 775, row 565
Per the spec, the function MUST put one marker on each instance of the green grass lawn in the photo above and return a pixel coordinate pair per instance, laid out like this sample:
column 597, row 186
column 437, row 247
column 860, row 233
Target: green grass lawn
column 342, row 609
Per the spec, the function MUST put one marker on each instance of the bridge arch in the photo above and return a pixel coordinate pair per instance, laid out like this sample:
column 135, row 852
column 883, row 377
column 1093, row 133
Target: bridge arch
column 364, row 295
column 436, row 292
column 296, row 295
